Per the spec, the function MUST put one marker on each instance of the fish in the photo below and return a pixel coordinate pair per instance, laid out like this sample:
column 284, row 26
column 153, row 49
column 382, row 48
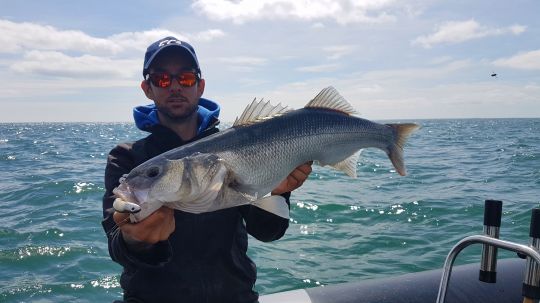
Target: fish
column 244, row 163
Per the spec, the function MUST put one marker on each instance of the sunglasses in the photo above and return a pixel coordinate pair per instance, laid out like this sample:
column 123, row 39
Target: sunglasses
column 164, row 80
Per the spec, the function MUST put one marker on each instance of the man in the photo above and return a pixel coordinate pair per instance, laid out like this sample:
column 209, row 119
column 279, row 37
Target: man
column 174, row 256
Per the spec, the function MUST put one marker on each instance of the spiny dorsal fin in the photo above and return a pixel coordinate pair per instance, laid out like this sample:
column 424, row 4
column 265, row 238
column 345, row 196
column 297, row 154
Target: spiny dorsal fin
column 329, row 98
column 258, row 111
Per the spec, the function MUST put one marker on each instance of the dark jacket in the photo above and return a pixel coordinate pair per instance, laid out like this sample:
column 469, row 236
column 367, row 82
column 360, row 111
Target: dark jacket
column 204, row 259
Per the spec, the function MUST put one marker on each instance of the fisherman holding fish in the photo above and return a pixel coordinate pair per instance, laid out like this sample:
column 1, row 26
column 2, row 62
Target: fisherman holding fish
column 170, row 255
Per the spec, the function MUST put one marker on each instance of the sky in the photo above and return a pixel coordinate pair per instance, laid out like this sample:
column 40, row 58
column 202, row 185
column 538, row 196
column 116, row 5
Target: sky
column 81, row 61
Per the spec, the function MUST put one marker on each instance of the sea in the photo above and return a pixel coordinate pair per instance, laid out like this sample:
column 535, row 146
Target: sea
column 53, row 248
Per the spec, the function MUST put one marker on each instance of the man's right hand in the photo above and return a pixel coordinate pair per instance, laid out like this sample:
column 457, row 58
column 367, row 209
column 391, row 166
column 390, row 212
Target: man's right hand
column 154, row 228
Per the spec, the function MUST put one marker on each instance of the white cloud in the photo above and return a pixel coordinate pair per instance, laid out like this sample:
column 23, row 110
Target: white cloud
column 318, row 25
column 57, row 64
column 342, row 11
column 257, row 82
column 440, row 60
column 420, row 75
column 251, row 61
column 517, row 29
column 338, row 51
column 51, row 52
column 140, row 40
column 15, row 37
column 461, row 31
column 394, row 95
column 242, row 63
column 209, row 35
column 243, row 60
column 20, row 37
column 318, row 68
column 526, row 61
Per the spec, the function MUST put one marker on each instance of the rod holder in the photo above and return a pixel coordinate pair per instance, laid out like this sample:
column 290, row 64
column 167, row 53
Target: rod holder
column 531, row 280
column 492, row 225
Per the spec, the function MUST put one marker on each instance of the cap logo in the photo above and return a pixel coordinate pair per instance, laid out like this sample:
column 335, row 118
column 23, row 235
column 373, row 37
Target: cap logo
column 169, row 41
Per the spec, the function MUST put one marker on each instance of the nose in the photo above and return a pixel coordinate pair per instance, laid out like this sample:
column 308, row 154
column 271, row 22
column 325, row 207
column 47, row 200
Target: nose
column 175, row 86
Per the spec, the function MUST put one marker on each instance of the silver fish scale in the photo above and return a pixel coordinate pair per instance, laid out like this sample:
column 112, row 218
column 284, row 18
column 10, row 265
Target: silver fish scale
column 264, row 154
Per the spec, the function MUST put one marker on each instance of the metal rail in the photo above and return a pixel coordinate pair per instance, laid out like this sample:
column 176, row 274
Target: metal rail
column 449, row 262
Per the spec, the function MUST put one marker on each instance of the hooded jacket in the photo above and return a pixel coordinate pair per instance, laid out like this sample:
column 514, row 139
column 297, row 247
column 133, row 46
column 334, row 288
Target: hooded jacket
column 204, row 259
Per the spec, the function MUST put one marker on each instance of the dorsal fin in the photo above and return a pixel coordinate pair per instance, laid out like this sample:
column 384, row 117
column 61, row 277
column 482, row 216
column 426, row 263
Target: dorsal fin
column 260, row 110
column 329, row 98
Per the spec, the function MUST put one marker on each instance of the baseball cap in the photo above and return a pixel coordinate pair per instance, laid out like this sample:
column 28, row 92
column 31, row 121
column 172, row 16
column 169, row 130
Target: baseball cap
column 168, row 42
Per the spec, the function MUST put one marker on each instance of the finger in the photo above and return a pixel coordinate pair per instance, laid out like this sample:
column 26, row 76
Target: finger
column 300, row 174
column 170, row 226
column 161, row 221
column 120, row 217
column 150, row 222
column 305, row 168
column 154, row 228
column 292, row 182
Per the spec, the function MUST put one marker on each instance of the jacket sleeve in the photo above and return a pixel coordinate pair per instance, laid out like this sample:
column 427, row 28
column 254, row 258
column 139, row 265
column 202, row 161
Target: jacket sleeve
column 127, row 254
column 263, row 225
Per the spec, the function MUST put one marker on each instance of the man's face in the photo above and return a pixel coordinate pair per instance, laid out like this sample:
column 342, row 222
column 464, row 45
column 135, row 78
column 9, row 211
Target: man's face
column 175, row 102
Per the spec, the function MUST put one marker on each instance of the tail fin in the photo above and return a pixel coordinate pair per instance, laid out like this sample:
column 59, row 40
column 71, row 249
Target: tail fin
column 395, row 151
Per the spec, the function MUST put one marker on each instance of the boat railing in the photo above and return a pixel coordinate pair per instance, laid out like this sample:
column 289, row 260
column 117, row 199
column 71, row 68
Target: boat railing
column 490, row 241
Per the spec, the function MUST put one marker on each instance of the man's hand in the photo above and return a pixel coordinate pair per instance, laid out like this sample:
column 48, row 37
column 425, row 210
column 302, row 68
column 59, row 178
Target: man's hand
column 294, row 180
column 154, row 228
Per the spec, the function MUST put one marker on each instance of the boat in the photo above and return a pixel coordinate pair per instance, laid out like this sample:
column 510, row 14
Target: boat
column 491, row 280
column 417, row 287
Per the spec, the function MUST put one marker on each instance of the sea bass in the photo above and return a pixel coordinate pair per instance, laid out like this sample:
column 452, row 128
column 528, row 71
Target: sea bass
column 244, row 163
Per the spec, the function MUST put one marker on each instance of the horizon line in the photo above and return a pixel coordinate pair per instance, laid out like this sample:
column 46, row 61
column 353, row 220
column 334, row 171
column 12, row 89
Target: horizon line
column 399, row 119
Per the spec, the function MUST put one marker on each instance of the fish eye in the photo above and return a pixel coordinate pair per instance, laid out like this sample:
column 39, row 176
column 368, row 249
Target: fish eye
column 152, row 172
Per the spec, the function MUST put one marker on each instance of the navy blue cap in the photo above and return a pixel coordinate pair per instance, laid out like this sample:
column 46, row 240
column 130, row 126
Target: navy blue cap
column 155, row 48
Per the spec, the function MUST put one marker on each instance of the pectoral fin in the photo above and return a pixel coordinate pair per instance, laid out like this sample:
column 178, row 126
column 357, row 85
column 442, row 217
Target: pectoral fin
column 274, row 204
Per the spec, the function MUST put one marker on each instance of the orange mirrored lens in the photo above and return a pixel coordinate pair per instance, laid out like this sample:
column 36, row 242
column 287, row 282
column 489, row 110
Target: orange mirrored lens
column 187, row 79
column 163, row 80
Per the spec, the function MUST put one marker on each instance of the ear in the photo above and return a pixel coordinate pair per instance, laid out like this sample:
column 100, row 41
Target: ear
column 147, row 89
column 200, row 87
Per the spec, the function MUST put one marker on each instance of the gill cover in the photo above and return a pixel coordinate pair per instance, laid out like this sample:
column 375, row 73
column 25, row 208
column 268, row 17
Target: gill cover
column 165, row 180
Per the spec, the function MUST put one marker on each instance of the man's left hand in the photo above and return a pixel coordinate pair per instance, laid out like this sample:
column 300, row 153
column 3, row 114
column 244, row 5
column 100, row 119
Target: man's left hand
column 294, row 180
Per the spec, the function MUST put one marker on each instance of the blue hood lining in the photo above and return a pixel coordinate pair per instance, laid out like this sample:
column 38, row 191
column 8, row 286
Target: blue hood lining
column 146, row 115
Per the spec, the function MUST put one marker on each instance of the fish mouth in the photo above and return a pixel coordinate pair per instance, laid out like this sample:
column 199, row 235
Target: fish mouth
column 131, row 193
column 124, row 192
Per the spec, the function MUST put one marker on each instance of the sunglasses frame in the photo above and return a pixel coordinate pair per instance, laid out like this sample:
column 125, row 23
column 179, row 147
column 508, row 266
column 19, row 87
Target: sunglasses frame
column 173, row 76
